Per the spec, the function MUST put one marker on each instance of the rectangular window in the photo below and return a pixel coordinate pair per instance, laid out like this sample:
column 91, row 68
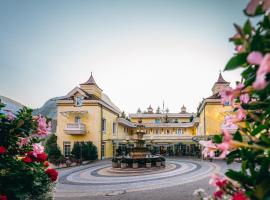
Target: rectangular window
column 114, row 128
column 103, row 126
column 67, row 149
column 77, row 119
column 157, row 121
column 103, row 150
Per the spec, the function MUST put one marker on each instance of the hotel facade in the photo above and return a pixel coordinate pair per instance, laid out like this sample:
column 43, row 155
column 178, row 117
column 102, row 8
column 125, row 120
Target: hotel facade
column 86, row 113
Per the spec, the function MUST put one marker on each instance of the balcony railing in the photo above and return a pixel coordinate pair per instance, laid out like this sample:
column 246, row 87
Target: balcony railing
column 167, row 137
column 75, row 129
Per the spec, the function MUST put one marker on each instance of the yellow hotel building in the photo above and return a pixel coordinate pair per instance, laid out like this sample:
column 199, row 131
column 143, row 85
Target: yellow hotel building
column 88, row 114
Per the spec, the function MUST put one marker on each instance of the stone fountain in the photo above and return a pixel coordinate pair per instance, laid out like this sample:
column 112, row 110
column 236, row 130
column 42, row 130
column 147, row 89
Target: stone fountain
column 140, row 156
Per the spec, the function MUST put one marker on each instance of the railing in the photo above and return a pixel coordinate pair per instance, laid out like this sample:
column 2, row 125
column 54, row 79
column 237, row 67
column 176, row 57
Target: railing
column 173, row 125
column 75, row 128
column 167, row 137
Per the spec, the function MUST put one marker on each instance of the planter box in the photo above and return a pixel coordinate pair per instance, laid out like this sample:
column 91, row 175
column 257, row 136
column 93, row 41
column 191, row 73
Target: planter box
column 123, row 165
column 148, row 165
column 114, row 164
column 135, row 165
column 158, row 164
column 163, row 163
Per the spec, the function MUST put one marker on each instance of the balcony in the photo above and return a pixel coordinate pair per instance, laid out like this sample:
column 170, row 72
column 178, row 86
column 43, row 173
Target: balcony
column 75, row 129
column 167, row 137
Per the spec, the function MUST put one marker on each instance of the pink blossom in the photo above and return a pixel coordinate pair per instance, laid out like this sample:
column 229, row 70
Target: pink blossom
column 227, row 96
column 225, row 145
column 255, row 58
column 218, row 181
column 264, row 68
column 239, row 196
column 260, row 82
column 37, row 149
column 10, row 115
column 218, row 194
column 244, row 98
column 241, row 114
column 23, row 141
column 266, row 5
column 227, row 137
column 252, row 6
column 209, row 148
column 229, row 123
column 43, row 128
column 240, row 48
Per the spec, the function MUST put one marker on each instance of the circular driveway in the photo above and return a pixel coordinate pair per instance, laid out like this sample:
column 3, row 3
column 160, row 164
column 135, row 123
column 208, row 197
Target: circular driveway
column 100, row 179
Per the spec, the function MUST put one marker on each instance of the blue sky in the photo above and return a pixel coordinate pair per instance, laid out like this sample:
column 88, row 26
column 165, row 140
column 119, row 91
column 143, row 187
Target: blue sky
column 140, row 52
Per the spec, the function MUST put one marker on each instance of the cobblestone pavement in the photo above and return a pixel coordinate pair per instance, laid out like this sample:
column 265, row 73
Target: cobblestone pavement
column 178, row 181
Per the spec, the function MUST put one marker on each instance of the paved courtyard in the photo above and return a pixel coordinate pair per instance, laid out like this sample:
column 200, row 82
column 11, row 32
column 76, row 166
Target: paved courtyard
column 177, row 180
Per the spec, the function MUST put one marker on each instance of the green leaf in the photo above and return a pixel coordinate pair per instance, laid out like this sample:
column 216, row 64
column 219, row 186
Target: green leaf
column 240, row 177
column 238, row 137
column 217, row 139
column 232, row 155
column 236, row 61
column 258, row 129
column 247, row 28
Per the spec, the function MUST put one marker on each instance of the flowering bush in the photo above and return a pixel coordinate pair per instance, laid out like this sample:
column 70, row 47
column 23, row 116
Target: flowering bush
column 250, row 143
column 23, row 163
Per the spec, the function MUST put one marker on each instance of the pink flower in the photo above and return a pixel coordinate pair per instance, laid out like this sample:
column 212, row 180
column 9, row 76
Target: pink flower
column 10, row 115
column 43, row 128
column 209, row 148
column 240, row 48
column 225, row 145
column 3, row 150
column 266, row 5
column 252, row 6
column 37, row 149
column 227, row 96
column 229, row 123
column 264, row 68
column 27, row 159
column 3, row 197
column 218, row 194
column 260, row 82
column 23, row 141
column 218, row 181
column 255, row 58
column 239, row 196
column 244, row 98
column 241, row 114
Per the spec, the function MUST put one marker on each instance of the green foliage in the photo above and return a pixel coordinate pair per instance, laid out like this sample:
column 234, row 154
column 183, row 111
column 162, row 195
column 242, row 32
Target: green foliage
column 84, row 150
column 237, row 61
column 53, row 150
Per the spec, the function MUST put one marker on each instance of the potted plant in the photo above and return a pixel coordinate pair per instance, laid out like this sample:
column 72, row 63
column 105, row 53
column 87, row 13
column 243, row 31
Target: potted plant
column 123, row 163
column 163, row 161
column 114, row 163
column 135, row 163
column 148, row 162
column 158, row 162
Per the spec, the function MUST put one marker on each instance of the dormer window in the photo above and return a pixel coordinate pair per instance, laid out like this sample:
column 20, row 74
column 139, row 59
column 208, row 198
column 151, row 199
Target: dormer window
column 79, row 100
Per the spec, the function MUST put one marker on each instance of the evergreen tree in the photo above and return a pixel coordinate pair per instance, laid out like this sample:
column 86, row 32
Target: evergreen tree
column 52, row 148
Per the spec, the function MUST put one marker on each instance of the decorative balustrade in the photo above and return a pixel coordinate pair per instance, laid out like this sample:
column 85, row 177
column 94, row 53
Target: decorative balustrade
column 75, row 128
column 166, row 137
